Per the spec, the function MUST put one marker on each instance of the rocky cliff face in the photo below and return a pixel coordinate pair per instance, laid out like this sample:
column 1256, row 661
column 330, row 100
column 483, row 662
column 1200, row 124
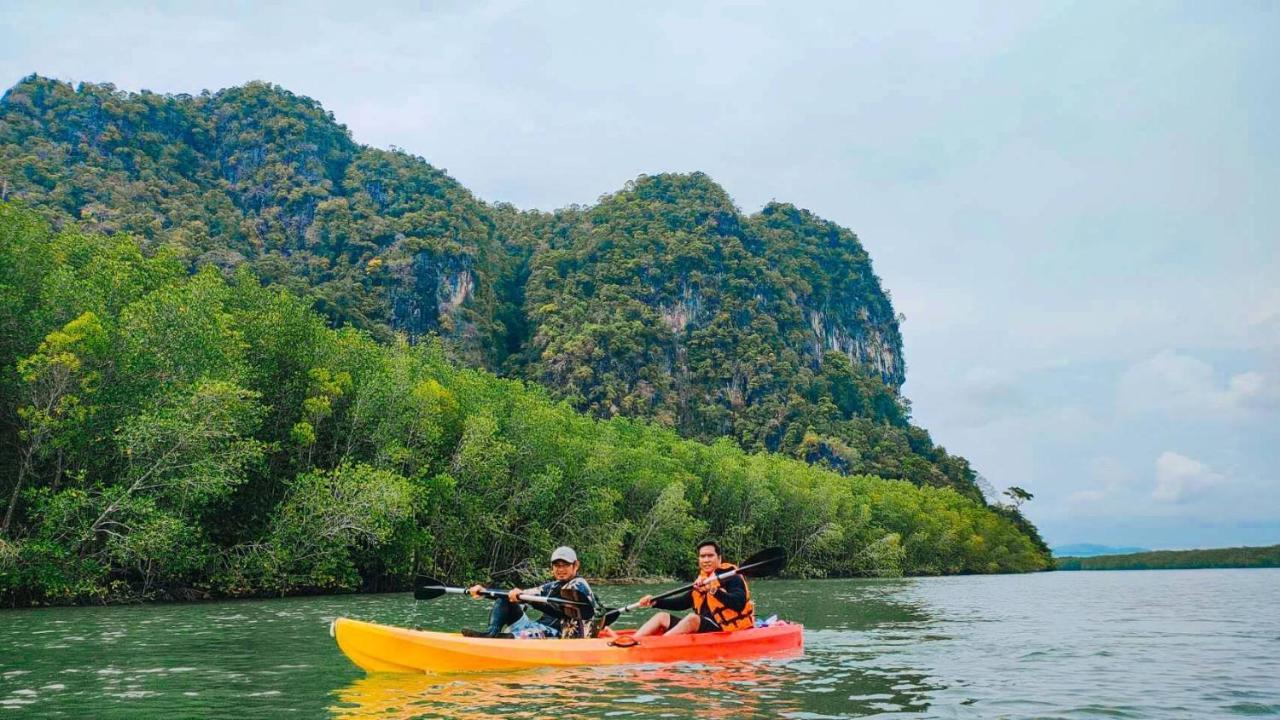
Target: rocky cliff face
column 664, row 301
column 830, row 277
column 430, row 296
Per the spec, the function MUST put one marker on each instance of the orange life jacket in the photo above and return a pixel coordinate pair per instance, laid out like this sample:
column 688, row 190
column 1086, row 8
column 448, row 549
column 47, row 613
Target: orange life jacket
column 726, row 617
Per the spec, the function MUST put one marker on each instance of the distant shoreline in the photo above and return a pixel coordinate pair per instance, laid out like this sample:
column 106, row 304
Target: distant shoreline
column 1236, row 557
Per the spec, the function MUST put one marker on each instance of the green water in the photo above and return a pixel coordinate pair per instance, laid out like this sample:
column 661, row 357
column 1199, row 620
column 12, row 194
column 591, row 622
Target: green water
column 1199, row 643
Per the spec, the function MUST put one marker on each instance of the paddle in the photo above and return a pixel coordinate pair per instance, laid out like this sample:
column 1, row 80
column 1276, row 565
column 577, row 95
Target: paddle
column 769, row 561
column 574, row 611
column 429, row 588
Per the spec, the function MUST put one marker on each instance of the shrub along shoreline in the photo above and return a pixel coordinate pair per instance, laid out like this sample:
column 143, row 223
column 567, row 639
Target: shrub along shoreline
column 1267, row 556
column 175, row 435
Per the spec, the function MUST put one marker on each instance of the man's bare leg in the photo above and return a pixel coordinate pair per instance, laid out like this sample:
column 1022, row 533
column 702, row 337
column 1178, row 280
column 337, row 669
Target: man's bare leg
column 655, row 625
column 687, row 625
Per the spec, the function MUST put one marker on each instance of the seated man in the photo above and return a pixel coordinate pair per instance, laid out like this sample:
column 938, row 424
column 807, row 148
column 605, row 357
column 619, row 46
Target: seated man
column 567, row 621
column 716, row 606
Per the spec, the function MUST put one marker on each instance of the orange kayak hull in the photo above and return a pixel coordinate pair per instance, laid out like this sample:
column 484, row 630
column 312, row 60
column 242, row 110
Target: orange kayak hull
column 383, row 648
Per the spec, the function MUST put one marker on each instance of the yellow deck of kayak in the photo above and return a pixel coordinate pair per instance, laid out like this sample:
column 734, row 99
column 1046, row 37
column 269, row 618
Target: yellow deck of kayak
column 383, row 648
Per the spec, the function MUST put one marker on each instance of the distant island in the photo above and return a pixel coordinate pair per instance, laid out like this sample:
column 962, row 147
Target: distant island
column 1237, row 557
column 1093, row 550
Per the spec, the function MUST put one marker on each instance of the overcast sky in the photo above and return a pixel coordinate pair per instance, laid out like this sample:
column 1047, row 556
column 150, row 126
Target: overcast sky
column 1076, row 205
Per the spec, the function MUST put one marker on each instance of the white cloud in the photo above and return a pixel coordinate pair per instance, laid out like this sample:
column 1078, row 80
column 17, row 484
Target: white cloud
column 1255, row 390
column 986, row 396
column 1263, row 323
column 1112, row 490
column 1086, row 501
column 1176, row 384
column 1178, row 477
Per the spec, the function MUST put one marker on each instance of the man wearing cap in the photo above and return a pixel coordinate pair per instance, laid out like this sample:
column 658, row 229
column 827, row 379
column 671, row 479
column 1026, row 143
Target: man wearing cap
column 567, row 621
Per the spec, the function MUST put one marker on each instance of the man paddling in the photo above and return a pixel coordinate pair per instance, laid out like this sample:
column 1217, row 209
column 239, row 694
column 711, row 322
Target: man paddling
column 717, row 606
column 557, row 621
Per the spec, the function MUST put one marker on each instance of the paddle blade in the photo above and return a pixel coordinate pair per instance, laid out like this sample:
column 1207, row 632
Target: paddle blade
column 765, row 563
column 427, row 588
column 576, row 606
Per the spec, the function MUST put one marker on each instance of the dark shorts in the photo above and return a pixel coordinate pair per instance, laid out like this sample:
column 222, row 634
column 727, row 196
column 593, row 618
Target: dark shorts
column 707, row 625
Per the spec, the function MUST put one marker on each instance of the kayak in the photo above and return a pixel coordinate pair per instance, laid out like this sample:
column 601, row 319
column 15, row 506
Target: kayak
column 383, row 648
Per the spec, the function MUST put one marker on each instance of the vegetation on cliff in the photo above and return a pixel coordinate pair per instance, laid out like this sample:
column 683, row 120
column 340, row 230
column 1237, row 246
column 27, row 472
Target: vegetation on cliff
column 257, row 175
column 180, row 435
column 662, row 301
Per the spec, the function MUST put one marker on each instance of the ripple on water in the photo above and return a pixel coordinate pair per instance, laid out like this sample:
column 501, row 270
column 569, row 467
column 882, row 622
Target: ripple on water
column 134, row 694
column 1253, row 709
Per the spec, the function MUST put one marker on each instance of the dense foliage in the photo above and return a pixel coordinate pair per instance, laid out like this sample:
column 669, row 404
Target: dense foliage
column 258, row 175
column 661, row 302
column 179, row 435
column 1239, row 557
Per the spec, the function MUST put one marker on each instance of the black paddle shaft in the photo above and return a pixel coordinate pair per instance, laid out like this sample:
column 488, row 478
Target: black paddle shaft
column 429, row 588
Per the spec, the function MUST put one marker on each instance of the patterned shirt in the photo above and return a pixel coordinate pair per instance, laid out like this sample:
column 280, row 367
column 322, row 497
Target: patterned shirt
column 567, row 620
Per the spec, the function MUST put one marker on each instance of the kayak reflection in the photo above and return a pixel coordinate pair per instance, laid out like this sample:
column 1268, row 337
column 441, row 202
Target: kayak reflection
column 728, row 690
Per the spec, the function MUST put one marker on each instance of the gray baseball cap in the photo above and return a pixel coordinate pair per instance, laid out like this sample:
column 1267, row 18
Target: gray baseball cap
column 565, row 553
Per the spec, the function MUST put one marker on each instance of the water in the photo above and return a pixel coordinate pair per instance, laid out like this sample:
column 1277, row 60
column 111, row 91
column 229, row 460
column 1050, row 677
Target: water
column 1176, row 644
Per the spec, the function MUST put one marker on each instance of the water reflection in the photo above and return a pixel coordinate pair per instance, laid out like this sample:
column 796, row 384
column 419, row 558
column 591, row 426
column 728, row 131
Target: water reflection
column 750, row 689
column 825, row 686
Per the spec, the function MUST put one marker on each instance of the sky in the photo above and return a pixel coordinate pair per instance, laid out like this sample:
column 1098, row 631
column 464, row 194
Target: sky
column 1076, row 205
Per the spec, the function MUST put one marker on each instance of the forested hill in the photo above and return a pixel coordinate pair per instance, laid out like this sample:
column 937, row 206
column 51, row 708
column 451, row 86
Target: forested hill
column 169, row 434
column 662, row 301
column 258, row 175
